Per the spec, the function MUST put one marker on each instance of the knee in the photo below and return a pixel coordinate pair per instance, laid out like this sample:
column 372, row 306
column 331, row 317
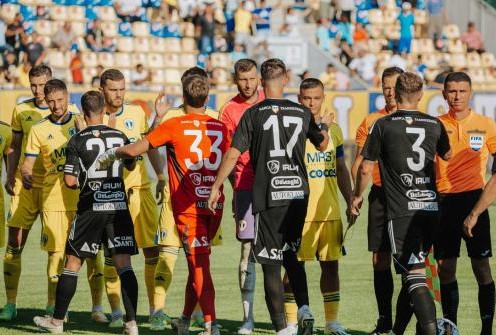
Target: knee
column 447, row 270
column 381, row 261
column 482, row 271
column 152, row 252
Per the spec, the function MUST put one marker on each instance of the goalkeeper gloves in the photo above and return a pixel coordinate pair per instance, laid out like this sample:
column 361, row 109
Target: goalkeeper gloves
column 104, row 160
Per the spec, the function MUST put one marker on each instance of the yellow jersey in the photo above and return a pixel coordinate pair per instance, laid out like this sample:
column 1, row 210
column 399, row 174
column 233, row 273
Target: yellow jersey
column 323, row 202
column 24, row 116
column 5, row 140
column 49, row 140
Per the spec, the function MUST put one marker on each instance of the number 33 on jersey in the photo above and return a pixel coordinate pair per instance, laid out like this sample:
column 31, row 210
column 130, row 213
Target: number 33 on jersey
column 195, row 145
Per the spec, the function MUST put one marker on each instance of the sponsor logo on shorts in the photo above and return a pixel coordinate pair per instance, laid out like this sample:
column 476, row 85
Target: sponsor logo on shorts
column 274, row 254
column 110, row 206
column 195, row 178
column 476, row 142
column 95, row 185
column 109, row 196
column 120, row 241
column 287, row 195
column 406, row 179
column 202, row 242
column 92, row 250
column 286, row 182
column 421, row 195
column 202, row 191
column 417, row 259
column 273, row 166
column 485, row 253
column 424, row 206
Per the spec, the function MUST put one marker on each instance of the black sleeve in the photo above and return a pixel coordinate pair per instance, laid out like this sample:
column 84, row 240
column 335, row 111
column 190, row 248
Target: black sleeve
column 243, row 134
column 372, row 147
column 127, row 162
column 443, row 145
column 71, row 166
column 314, row 132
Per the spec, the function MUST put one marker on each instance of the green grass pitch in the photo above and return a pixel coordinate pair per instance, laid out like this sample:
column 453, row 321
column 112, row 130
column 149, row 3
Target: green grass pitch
column 357, row 310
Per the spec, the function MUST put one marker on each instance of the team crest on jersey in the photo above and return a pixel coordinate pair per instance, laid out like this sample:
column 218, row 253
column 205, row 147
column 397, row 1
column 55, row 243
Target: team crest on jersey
column 196, row 123
column 129, row 123
column 95, row 185
column 476, row 142
column 72, row 131
column 273, row 166
column 407, row 179
column 96, row 132
column 275, row 108
column 408, row 119
column 195, row 178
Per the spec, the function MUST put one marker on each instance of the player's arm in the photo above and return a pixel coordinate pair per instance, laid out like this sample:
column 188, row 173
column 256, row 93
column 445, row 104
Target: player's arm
column 356, row 163
column 158, row 164
column 13, row 161
column 225, row 169
column 318, row 135
column 344, row 180
column 71, row 166
column 360, row 138
column 27, row 171
column 162, row 106
column 443, row 145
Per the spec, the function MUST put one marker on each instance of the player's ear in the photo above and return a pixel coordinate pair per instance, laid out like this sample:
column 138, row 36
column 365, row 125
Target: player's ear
column 420, row 96
column 445, row 94
column 299, row 98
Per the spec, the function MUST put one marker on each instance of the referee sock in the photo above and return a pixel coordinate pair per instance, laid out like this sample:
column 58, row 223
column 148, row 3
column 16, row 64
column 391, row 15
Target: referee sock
column 486, row 307
column 422, row 302
column 274, row 295
column 404, row 311
column 112, row 286
column 331, row 305
column 129, row 288
column 12, row 272
column 450, row 298
column 297, row 277
column 94, row 274
column 150, row 265
column 54, row 267
column 291, row 308
column 66, row 288
column 384, row 288
column 163, row 276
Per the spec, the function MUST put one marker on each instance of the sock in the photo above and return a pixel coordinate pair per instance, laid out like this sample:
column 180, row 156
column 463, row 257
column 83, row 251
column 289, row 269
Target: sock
column 54, row 267
column 297, row 277
column 199, row 266
column 404, row 311
column 450, row 298
column 12, row 272
column 422, row 302
column 274, row 295
column 331, row 305
column 150, row 265
column 163, row 276
column 291, row 308
column 66, row 287
column 129, row 289
column 384, row 288
column 486, row 307
column 247, row 276
column 112, row 286
column 94, row 274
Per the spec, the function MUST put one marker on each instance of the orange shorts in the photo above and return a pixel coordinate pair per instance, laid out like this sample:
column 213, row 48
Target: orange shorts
column 196, row 232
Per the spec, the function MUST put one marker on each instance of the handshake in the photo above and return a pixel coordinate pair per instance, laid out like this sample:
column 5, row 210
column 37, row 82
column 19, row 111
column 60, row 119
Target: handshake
column 104, row 160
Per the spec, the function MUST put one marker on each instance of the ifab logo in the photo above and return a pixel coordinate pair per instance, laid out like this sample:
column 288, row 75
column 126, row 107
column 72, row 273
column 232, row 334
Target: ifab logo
column 129, row 124
column 407, row 179
column 195, row 178
column 476, row 142
column 273, row 166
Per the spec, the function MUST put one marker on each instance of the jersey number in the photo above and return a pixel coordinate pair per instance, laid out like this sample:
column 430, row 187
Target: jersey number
column 286, row 121
column 416, row 147
column 102, row 146
column 214, row 148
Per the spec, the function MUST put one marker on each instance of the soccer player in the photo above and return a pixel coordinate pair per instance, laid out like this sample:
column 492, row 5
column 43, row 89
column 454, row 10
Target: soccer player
column 247, row 79
column 323, row 229
column 275, row 132
column 102, row 214
column 195, row 144
column 131, row 120
column 378, row 241
column 405, row 144
column 5, row 141
column 473, row 138
column 26, row 204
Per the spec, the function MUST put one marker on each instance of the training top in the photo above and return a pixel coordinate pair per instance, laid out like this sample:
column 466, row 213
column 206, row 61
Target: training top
column 405, row 143
column 472, row 140
column 275, row 132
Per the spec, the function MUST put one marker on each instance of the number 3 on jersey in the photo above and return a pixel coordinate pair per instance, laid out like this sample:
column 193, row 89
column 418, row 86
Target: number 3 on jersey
column 110, row 142
column 416, row 147
column 195, row 148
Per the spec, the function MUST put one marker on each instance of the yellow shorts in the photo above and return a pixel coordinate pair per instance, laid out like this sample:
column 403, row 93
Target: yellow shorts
column 143, row 209
column 321, row 240
column 167, row 232
column 2, row 220
column 25, row 207
column 55, row 229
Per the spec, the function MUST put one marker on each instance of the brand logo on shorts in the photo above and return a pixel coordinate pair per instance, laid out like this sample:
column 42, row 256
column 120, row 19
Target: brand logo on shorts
column 274, row 254
column 93, row 250
column 129, row 123
column 421, row 195
column 195, row 178
column 414, row 259
column 407, row 179
column 485, row 253
column 273, row 166
column 476, row 142
column 202, row 242
column 95, row 185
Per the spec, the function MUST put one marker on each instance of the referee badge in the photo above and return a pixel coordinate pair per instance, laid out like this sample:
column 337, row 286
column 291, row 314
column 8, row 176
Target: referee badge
column 129, row 123
column 476, row 142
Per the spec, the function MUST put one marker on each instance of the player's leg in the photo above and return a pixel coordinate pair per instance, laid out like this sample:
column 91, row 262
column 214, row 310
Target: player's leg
column 94, row 272
column 113, row 290
column 378, row 244
column 450, row 296
column 129, row 290
column 274, row 296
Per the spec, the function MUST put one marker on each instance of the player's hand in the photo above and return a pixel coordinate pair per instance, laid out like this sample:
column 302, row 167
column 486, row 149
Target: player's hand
column 160, row 191
column 9, row 185
column 469, row 223
column 351, row 217
column 213, row 199
column 356, row 204
column 328, row 117
column 27, row 181
column 104, row 160
column 79, row 122
column 161, row 105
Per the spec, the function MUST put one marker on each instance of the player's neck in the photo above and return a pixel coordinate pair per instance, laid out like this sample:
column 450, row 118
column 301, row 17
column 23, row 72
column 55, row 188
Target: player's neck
column 95, row 121
column 194, row 110
column 460, row 115
column 111, row 109
column 40, row 103
column 391, row 109
column 407, row 107
column 274, row 91
column 250, row 100
column 60, row 119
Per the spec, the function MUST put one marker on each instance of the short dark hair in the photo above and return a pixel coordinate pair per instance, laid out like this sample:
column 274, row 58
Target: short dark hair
column 457, row 77
column 54, row 85
column 40, row 70
column 244, row 65
column 391, row 71
column 92, row 103
column 408, row 84
column 110, row 74
column 273, row 68
column 195, row 90
column 310, row 83
column 194, row 71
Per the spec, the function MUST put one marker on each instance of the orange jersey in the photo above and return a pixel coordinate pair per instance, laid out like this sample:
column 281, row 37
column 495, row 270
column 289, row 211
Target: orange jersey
column 361, row 136
column 195, row 146
column 472, row 140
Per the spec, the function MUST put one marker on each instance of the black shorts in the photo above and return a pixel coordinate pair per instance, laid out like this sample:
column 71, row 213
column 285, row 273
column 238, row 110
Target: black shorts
column 89, row 231
column 455, row 207
column 377, row 231
column 278, row 229
column 411, row 239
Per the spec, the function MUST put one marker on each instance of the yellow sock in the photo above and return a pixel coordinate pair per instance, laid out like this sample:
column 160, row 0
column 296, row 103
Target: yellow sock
column 94, row 273
column 163, row 275
column 12, row 272
column 331, row 305
column 112, row 285
column 150, row 265
column 54, row 268
column 291, row 308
